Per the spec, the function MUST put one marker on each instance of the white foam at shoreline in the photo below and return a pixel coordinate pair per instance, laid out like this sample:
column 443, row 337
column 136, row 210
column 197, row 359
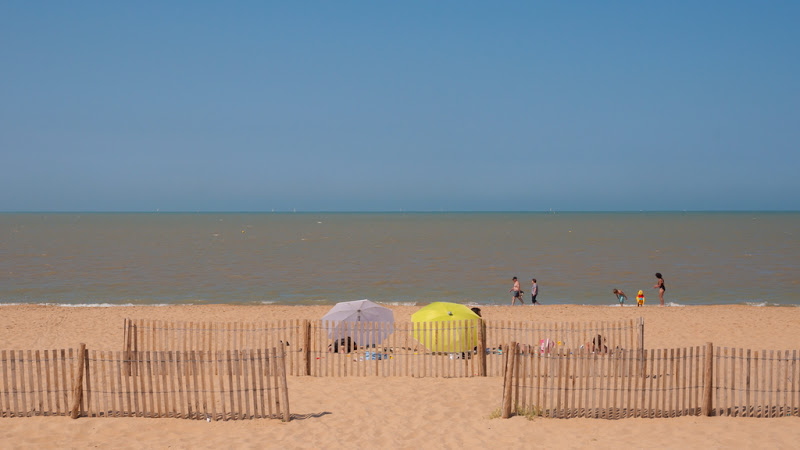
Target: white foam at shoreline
column 765, row 303
column 398, row 303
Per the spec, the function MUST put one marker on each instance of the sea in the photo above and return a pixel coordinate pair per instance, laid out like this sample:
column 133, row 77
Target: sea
column 118, row 259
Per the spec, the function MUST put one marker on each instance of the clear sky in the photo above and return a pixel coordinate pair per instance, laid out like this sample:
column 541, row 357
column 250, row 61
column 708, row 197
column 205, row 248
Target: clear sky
column 383, row 106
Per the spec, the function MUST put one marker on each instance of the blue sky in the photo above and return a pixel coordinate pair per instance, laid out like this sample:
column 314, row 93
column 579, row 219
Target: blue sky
column 383, row 106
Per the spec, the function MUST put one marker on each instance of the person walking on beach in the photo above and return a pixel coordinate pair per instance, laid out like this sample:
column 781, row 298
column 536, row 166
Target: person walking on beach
column 515, row 293
column 620, row 296
column 534, row 292
column 661, row 288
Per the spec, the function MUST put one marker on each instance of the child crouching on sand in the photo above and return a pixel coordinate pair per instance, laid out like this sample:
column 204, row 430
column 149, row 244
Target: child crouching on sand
column 639, row 299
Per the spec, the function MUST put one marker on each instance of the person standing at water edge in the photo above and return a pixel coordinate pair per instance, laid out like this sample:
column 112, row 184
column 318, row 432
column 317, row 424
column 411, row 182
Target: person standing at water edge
column 661, row 288
column 534, row 291
column 620, row 296
column 515, row 292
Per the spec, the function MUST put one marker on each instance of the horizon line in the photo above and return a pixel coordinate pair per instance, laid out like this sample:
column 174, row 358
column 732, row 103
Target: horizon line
column 421, row 211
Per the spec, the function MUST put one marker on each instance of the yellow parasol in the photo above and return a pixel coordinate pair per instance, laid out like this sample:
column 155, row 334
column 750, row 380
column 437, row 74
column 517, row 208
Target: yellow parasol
column 444, row 327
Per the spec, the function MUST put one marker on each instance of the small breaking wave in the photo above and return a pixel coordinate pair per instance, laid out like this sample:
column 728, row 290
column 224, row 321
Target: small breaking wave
column 756, row 303
column 766, row 304
column 398, row 303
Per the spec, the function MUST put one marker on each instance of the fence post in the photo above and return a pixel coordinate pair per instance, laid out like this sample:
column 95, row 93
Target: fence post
column 77, row 384
column 126, row 347
column 306, row 347
column 125, row 335
column 482, row 348
column 641, row 332
column 284, row 388
column 641, row 344
column 508, row 379
column 707, row 381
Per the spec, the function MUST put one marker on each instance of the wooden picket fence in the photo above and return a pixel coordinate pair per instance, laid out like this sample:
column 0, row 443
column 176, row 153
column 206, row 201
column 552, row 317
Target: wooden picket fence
column 222, row 385
column 749, row 383
column 37, row 382
column 159, row 335
column 550, row 337
column 652, row 383
column 432, row 349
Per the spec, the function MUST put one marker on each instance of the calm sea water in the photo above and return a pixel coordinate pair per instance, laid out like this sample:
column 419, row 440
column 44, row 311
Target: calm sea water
column 322, row 258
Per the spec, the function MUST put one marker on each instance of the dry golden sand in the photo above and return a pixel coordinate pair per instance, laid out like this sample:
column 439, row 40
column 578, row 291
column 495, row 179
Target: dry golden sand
column 403, row 412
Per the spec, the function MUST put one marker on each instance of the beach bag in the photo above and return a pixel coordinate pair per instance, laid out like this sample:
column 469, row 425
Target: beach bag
column 545, row 345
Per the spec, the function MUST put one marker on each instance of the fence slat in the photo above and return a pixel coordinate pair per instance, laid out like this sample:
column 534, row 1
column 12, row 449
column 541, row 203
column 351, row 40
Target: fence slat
column 794, row 409
column 245, row 366
column 113, row 389
column 764, row 381
column 23, row 411
column 756, row 395
column 605, row 379
column 204, row 369
column 179, row 374
column 785, row 379
column 190, row 360
column 771, row 392
column 613, row 378
column 726, row 404
column 631, row 377
column 102, row 386
column 56, row 389
column 686, row 385
column 162, row 407
column 198, row 392
column 220, row 360
column 741, row 383
column 230, row 370
column 39, row 390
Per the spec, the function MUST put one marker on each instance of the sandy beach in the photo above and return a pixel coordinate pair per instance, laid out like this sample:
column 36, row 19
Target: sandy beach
column 403, row 412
